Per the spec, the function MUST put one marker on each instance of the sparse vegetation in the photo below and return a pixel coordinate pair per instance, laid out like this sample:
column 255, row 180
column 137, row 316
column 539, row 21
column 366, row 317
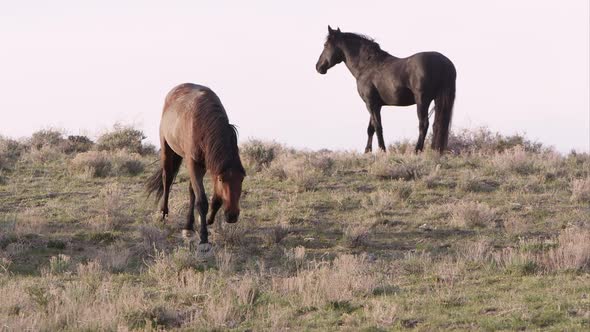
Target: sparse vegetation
column 494, row 236
column 122, row 138
column 257, row 154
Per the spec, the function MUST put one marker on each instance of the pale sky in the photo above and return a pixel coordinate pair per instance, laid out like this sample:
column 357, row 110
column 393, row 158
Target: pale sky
column 522, row 66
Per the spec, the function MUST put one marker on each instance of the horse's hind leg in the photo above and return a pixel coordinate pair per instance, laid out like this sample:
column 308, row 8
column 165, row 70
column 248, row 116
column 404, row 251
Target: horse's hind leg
column 422, row 106
column 196, row 173
column 170, row 165
column 370, row 133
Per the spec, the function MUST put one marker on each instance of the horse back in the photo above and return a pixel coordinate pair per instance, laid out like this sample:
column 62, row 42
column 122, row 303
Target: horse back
column 186, row 110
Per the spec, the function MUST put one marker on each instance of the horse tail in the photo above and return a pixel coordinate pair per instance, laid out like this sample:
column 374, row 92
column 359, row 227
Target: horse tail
column 155, row 184
column 444, row 114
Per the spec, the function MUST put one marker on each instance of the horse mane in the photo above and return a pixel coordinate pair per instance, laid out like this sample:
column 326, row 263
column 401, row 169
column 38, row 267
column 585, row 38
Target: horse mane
column 367, row 44
column 219, row 138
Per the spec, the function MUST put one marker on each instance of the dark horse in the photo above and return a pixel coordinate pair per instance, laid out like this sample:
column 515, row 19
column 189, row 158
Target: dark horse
column 383, row 79
column 195, row 127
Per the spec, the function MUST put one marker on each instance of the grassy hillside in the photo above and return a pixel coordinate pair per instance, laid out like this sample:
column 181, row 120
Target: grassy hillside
column 495, row 236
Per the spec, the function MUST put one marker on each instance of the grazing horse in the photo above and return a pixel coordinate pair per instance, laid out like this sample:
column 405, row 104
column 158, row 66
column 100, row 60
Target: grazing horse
column 195, row 127
column 383, row 79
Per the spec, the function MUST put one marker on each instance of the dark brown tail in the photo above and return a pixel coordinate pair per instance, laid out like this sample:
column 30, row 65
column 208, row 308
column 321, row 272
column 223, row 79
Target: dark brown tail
column 444, row 114
column 154, row 183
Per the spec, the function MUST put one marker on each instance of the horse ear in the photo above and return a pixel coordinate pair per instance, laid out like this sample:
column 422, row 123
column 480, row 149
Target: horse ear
column 330, row 30
column 338, row 30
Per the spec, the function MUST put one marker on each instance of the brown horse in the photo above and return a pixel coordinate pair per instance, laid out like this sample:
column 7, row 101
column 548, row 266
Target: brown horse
column 195, row 127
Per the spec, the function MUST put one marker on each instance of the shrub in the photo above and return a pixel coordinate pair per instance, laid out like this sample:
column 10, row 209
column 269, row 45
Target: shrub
column 148, row 149
column 77, row 143
column 258, row 154
column 92, row 164
column 45, row 154
column 121, row 138
column 482, row 140
column 10, row 151
column 125, row 163
column 47, row 138
column 321, row 162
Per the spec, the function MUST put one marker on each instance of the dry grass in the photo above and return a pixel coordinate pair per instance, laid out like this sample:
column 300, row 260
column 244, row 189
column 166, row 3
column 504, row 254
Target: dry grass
column 299, row 170
column 346, row 279
column 356, row 235
column 472, row 214
column 114, row 258
column 111, row 207
column 478, row 251
column 483, row 240
column 381, row 311
column 581, row 190
column 572, row 252
column 231, row 235
column 276, row 233
column 224, row 261
column 514, row 160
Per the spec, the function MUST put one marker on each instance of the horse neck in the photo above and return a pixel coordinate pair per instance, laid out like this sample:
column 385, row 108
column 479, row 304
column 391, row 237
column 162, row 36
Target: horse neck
column 220, row 149
column 359, row 62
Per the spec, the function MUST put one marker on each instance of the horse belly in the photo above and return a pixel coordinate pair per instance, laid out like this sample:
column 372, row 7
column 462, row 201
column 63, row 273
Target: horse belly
column 169, row 128
column 398, row 97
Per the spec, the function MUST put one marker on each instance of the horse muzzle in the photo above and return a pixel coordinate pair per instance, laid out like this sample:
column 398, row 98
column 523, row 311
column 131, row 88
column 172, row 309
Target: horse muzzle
column 321, row 68
column 232, row 217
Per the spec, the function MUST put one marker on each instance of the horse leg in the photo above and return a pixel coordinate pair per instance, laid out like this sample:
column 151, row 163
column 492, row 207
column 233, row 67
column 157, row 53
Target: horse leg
column 170, row 164
column 190, row 219
column 213, row 208
column 370, row 132
column 376, row 117
column 422, row 107
column 196, row 173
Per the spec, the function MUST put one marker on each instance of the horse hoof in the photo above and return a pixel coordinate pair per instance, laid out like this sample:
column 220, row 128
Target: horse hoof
column 204, row 248
column 188, row 234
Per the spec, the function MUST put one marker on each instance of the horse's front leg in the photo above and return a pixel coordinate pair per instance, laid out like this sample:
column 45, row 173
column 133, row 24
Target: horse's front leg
column 213, row 208
column 376, row 116
column 189, row 227
column 196, row 173
column 374, row 126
